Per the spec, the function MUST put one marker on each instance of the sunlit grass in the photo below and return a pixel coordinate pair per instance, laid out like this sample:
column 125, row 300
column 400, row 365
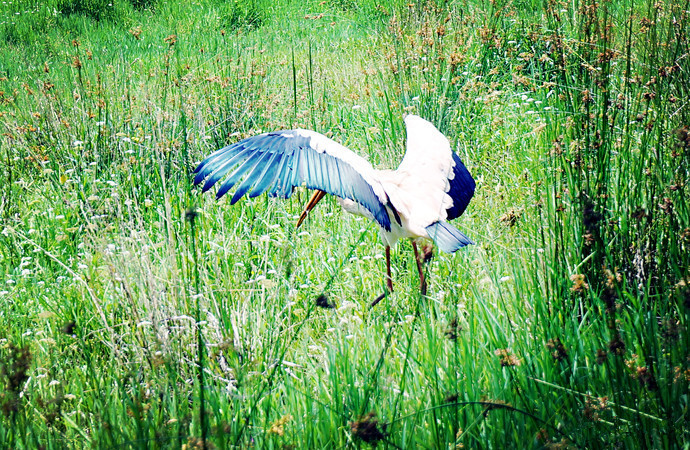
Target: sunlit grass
column 565, row 325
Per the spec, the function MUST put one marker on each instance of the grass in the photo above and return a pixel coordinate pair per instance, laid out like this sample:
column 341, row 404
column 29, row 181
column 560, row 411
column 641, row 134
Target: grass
column 135, row 312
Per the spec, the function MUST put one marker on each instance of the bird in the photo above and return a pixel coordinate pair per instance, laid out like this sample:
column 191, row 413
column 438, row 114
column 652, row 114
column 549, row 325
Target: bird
column 430, row 187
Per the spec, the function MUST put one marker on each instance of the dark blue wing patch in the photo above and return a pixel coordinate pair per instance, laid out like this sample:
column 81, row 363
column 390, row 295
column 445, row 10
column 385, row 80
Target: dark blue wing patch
column 461, row 189
column 278, row 162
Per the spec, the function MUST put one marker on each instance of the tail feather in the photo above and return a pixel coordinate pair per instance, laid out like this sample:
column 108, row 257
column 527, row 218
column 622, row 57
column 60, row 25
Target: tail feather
column 447, row 237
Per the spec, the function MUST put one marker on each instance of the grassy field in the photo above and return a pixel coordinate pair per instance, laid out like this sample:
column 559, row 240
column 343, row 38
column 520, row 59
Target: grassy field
column 137, row 313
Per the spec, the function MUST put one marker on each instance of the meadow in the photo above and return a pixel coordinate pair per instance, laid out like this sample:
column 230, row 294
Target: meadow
column 136, row 312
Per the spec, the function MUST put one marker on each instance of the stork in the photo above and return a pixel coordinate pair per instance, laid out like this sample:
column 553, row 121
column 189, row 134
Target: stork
column 430, row 187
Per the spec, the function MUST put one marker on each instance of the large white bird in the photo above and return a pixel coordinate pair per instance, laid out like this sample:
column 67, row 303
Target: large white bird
column 430, row 187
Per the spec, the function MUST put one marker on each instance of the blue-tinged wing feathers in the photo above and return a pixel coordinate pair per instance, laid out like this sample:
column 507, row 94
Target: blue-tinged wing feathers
column 278, row 162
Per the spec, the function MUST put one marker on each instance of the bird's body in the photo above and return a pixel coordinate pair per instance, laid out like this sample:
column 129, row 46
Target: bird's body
column 430, row 187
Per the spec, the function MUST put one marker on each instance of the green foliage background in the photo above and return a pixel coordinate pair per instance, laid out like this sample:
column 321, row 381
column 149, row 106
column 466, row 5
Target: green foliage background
column 135, row 312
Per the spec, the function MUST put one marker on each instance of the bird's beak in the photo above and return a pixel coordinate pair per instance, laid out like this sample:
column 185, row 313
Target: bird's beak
column 315, row 198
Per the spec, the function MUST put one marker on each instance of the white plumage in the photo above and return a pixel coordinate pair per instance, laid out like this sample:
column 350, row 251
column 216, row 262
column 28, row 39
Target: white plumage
column 430, row 187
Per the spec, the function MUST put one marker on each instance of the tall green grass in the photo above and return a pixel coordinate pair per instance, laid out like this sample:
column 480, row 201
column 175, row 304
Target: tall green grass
column 136, row 312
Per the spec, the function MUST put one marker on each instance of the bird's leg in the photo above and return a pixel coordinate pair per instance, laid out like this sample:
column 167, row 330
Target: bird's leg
column 389, row 278
column 315, row 198
column 420, row 267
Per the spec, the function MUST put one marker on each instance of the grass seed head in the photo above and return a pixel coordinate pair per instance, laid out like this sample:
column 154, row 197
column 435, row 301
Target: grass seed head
column 646, row 378
column 507, row 359
column 367, row 429
column 558, row 351
column 195, row 443
column 617, row 346
column 452, row 329
column 323, row 302
column 278, row 427
column 451, row 398
column 14, row 371
column 579, row 285
column 601, row 356
column 511, row 217
column 68, row 327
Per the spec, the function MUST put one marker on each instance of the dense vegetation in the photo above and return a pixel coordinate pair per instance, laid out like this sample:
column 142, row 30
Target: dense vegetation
column 135, row 312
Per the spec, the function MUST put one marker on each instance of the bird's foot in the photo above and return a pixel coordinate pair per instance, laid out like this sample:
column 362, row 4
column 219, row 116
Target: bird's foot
column 378, row 299
column 389, row 290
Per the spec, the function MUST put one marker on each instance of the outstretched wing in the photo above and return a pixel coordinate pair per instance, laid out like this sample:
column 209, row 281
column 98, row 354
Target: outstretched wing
column 279, row 161
column 430, row 157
